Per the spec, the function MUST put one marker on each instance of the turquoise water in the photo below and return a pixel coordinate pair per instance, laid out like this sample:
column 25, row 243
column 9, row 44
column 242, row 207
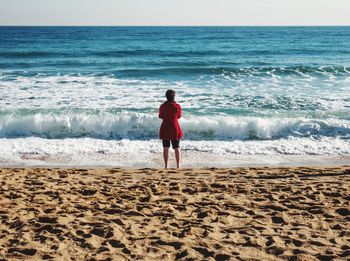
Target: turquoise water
column 285, row 85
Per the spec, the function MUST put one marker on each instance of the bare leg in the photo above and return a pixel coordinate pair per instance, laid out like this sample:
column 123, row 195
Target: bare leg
column 177, row 156
column 166, row 156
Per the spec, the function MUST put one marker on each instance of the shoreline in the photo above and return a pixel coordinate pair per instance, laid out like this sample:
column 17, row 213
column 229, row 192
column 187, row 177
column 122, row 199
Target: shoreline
column 252, row 213
column 154, row 160
column 179, row 170
column 137, row 154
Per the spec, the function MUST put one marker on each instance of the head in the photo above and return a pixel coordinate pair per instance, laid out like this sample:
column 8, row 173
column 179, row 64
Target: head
column 170, row 95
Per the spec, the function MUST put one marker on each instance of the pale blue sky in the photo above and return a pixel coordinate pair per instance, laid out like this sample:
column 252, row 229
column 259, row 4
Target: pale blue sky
column 174, row 12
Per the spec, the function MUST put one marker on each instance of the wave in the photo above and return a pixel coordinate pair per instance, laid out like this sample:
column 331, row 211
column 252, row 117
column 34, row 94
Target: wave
column 34, row 54
column 176, row 68
column 109, row 53
column 143, row 126
column 154, row 52
column 299, row 71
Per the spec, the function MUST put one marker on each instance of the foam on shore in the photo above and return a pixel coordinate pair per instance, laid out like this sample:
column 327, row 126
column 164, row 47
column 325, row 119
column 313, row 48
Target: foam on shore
column 132, row 153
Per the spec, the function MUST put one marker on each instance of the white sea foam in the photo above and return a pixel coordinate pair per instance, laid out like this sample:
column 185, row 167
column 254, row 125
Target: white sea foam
column 126, row 153
column 250, row 92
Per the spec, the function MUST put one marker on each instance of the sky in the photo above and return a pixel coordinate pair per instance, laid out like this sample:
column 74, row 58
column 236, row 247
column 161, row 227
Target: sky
column 175, row 12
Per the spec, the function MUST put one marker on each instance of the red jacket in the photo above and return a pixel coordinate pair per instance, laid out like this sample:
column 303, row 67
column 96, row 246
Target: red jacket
column 170, row 129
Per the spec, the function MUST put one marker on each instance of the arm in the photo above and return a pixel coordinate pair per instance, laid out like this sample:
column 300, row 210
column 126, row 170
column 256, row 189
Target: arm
column 179, row 112
column 160, row 115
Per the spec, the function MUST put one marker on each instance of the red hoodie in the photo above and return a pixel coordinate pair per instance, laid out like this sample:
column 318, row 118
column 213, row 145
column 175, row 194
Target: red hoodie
column 170, row 129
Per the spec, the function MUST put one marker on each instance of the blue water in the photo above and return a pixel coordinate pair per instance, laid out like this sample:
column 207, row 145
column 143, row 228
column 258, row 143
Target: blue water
column 234, row 83
column 171, row 52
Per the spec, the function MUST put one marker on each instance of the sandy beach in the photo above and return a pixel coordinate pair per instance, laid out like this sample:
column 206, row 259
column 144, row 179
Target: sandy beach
column 299, row 213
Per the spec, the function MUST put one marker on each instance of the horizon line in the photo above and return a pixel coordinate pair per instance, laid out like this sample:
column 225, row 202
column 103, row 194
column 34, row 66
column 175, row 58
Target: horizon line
column 267, row 25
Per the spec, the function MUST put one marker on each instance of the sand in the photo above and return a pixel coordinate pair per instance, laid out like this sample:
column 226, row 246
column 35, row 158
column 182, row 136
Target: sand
column 191, row 214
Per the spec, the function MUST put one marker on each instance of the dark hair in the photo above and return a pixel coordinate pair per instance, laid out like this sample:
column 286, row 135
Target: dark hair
column 170, row 95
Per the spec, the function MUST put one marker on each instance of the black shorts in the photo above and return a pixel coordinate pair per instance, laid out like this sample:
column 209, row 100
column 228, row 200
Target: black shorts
column 174, row 143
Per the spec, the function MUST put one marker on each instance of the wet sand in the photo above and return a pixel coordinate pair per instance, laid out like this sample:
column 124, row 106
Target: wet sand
column 296, row 213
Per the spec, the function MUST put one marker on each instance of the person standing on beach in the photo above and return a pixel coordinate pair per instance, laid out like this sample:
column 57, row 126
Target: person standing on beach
column 170, row 130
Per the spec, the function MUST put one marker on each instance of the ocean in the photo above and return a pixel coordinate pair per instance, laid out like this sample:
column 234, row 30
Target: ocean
column 89, row 96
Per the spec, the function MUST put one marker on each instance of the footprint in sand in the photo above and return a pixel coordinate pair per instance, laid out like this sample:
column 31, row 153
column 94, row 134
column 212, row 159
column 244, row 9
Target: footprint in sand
column 204, row 251
column 278, row 220
column 343, row 211
column 23, row 251
column 88, row 192
column 47, row 219
column 102, row 232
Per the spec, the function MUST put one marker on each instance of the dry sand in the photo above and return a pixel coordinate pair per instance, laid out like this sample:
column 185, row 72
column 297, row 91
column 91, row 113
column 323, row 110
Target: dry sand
column 192, row 214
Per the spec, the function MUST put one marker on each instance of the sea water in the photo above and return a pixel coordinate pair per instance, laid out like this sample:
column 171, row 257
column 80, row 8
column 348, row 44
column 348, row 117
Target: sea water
column 250, row 95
